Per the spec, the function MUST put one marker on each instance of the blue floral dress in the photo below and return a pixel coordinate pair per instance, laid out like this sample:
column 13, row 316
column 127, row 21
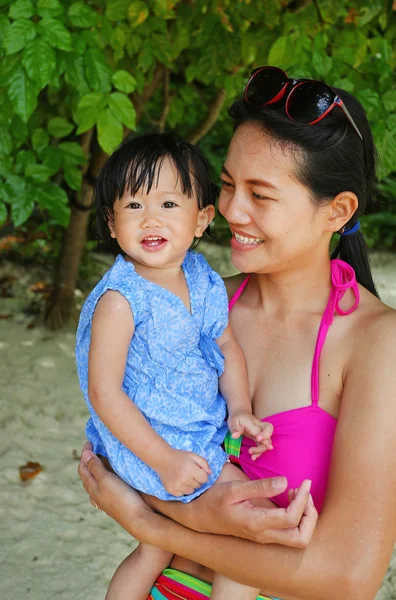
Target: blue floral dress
column 172, row 369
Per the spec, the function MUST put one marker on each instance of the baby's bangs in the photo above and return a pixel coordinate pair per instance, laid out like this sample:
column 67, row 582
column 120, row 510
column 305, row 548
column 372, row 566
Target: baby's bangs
column 144, row 168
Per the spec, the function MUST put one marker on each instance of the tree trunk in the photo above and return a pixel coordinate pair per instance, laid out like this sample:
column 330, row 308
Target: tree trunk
column 62, row 301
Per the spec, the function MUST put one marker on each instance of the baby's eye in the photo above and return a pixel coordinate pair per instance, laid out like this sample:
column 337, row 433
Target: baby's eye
column 169, row 204
column 134, row 205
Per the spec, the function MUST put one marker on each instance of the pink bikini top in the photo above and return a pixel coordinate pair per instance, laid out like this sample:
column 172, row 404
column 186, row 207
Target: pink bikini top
column 303, row 437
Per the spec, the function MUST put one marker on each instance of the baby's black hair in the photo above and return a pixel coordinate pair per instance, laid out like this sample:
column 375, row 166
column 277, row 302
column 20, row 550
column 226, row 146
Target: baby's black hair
column 137, row 162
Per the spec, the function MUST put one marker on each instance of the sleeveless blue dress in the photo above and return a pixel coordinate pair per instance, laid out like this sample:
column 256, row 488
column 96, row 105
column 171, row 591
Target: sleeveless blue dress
column 172, row 369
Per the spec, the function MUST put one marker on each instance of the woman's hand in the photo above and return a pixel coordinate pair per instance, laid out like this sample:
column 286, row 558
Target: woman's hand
column 109, row 493
column 229, row 510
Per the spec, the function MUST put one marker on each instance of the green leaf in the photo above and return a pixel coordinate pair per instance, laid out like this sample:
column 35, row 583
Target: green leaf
column 3, row 213
column 21, row 9
column 389, row 100
column 24, row 158
column 73, row 177
column 19, row 129
column 137, row 13
column 15, row 185
column 40, row 140
column 5, row 142
column 22, row 203
column 116, row 10
column 52, row 158
column 74, row 74
column 54, row 32
column 39, row 173
column 6, row 167
column 123, row 109
column 88, row 109
column 279, row 53
column 146, row 58
column 54, row 199
column 23, row 93
column 97, row 71
column 321, row 63
column 109, row 131
column 60, row 127
column 18, row 35
column 248, row 48
column 124, row 82
column 82, row 15
column 39, row 61
column 49, row 8
column 72, row 153
column 387, row 151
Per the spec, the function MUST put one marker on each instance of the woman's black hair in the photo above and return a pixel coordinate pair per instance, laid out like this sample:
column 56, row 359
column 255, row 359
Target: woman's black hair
column 330, row 158
column 136, row 163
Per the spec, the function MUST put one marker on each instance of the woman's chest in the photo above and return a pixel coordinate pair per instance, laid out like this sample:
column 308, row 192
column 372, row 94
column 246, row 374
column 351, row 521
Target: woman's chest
column 279, row 359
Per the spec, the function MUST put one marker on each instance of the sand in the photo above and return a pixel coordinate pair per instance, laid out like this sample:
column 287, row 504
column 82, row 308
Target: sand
column 53, row 543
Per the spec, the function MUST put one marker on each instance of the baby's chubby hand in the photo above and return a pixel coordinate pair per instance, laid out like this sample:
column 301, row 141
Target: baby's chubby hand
column 183, row 472
column 245, row 423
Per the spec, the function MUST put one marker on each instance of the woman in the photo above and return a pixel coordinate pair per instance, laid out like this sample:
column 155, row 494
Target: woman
column 300, row 167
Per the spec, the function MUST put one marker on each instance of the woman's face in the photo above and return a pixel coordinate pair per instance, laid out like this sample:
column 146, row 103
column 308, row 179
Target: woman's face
column 273, row 221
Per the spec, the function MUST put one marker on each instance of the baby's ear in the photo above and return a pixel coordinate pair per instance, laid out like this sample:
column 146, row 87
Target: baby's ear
column 205, row 216
column 110, row 224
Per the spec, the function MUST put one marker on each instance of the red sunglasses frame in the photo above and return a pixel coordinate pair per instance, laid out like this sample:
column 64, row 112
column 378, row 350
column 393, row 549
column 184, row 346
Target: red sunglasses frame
column 296, row 83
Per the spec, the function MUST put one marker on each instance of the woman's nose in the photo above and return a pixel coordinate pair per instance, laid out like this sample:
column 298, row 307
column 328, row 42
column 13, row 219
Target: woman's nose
column 235, row 209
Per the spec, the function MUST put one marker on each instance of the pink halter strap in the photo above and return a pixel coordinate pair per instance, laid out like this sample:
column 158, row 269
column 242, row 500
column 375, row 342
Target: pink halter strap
column 343, row 278
column 238, row 292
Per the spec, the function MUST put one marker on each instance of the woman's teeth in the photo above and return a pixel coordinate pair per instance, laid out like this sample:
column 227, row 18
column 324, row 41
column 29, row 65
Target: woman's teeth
column 247, row 240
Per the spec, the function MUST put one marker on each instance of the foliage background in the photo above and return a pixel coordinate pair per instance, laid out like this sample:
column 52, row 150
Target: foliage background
column 76, row 77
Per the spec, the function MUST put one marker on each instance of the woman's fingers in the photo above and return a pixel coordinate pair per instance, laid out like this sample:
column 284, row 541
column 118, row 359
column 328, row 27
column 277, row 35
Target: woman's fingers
column 296, row 537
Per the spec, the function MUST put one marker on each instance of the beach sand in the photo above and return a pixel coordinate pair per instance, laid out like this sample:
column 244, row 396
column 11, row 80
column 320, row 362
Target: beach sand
column 53, row 543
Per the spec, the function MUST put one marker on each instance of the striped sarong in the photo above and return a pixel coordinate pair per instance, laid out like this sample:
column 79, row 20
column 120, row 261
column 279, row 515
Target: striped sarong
column 175, row 585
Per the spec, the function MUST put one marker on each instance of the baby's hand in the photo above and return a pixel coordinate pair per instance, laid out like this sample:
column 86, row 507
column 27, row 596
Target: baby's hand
column 183, row 472
column 244, row 423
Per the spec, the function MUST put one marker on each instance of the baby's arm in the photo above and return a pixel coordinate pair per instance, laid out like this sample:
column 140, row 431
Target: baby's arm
column 112, row 330
column 234, row 387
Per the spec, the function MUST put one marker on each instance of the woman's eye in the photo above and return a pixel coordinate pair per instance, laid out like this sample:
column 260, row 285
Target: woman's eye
column 134, row 205
column 225, row 184
column 259, row 197
column 169, row 204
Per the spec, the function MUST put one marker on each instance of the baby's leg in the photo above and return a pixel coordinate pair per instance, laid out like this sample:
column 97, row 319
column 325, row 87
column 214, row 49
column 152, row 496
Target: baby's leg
column 223, row 588
column 136, row 575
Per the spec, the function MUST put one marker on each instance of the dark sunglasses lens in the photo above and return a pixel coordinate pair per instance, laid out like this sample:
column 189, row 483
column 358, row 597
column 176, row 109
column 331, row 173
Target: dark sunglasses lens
column 264, row 86
column 308, row 101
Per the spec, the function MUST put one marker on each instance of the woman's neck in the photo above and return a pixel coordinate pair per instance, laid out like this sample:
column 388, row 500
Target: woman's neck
column 295, row 289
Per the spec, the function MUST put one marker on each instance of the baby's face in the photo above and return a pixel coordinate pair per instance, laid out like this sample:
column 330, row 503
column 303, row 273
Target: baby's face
column 156, row 229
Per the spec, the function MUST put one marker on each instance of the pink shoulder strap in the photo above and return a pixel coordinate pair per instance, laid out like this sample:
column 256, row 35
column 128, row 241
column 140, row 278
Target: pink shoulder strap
column 238, row 292
column 342, row 278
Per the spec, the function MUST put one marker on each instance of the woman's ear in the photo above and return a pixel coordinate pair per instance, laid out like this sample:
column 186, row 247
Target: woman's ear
column 205, row 216
column 341, row 210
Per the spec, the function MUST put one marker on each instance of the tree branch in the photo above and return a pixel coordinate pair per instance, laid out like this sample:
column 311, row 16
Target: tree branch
column 318, row 12
column 211, row 117
column 139, row 100
column 162, row 121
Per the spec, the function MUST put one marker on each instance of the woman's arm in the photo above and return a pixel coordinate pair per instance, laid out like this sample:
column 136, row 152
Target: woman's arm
column 353, row 541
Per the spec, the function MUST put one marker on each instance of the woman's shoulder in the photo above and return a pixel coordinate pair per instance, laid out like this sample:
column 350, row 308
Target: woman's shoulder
column 374, row 330
column 233, row 283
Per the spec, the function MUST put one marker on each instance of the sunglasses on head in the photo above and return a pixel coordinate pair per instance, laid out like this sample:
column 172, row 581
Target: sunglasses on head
column 307, row 101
